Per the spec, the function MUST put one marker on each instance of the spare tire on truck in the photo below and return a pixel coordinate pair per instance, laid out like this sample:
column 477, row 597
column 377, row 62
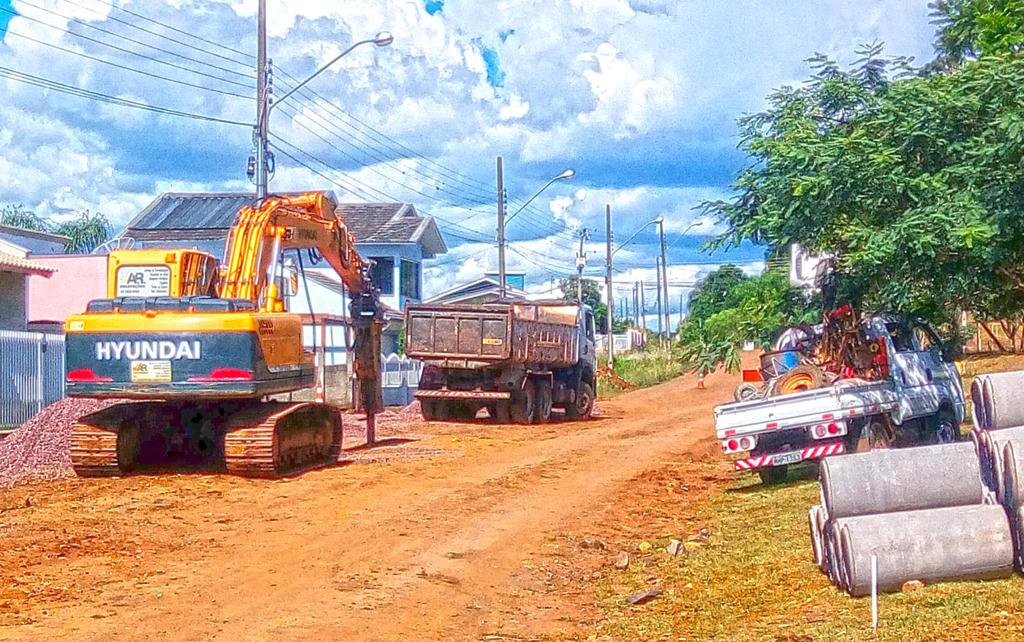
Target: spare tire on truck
column 798, row 379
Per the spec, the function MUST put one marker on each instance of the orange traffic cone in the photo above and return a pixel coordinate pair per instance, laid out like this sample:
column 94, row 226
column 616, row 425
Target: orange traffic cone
column 700, row 381
column 319, row 392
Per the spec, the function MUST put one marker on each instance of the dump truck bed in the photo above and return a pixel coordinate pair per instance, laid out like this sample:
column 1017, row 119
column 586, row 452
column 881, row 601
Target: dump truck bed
column 479, row 336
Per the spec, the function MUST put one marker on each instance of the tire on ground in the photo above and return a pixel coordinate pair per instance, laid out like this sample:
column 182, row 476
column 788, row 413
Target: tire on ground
column 542, row 403
column 942, row 427
column 523, row 404
column 583, row 403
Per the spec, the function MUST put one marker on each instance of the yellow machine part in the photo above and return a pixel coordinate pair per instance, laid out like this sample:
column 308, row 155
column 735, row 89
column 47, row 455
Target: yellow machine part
column 174, row 273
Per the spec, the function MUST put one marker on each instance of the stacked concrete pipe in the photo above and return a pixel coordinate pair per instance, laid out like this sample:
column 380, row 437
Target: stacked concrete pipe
column 923, row 512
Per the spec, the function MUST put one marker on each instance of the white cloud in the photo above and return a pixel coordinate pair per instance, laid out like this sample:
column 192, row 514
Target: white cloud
column 638, row 96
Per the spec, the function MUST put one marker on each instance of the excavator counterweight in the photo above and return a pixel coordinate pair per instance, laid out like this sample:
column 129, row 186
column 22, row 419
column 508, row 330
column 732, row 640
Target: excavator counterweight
column 199, row 347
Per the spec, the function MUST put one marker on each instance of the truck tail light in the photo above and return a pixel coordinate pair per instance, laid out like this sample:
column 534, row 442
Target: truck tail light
column 820, row 431
column 85, row 375
column 833, row 429
column 224, row 374
column 739, row 444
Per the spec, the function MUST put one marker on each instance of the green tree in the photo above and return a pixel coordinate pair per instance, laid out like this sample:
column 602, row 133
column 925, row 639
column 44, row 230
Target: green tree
column 19, row 216
column 969, row 29
column 711, row 292
column 592, row 297
column 86, row 231
column 753, row 309
column 913, row 183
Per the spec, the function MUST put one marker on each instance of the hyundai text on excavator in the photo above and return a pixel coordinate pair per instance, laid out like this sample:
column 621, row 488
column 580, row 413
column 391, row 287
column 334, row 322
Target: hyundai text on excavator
column 198, row 347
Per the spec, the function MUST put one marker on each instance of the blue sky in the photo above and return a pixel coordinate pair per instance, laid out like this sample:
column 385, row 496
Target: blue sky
column 639, row 97
column 5, row 16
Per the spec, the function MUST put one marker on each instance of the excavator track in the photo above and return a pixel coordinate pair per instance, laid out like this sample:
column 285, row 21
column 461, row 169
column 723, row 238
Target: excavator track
column 250, row 439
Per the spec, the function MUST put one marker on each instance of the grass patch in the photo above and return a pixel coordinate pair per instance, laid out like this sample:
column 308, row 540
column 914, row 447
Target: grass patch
column 754, row 579
column 642, row 369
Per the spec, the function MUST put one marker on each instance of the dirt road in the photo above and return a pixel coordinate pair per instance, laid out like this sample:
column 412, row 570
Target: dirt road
column 443, row 548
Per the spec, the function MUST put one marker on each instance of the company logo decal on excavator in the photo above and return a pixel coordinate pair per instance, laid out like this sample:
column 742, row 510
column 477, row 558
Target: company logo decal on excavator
column 114, row 350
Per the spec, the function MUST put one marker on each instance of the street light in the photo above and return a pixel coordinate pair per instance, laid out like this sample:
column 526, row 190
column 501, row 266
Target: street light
column 566, row 174
column 664, row 267
column 685, row 230
column 502, row 222
column 637, row 233
column 382, row 39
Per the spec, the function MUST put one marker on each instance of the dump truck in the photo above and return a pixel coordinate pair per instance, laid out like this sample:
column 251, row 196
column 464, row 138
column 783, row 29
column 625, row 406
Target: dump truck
column 903, row 390
column 516, row 359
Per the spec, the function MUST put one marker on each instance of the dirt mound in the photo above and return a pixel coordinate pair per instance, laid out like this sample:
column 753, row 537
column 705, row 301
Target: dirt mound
column 41, row 447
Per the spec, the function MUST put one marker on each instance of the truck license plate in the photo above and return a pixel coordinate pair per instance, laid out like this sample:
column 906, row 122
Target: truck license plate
column 787, row 458
column 151, row 371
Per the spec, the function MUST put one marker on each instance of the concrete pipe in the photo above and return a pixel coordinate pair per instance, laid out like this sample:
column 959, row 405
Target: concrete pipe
column 1013, row 474
column 816, row 541
column 992, row 457
column 831, row 555
column 978, row 414
column 1004, row 406
column 936, row 545
column 888, row 481
column 822, row 524
column 1017, row 525
column 841, row 575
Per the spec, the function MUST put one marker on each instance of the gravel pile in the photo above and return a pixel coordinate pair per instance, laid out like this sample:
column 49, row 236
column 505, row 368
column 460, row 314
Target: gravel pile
column 41, row 447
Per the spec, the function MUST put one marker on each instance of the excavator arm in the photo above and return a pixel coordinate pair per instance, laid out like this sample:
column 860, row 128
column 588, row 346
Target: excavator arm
column 252, row 258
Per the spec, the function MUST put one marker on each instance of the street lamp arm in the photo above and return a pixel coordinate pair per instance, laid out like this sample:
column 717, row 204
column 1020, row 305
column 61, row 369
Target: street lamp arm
column 566, row 174
column 381, row 40
column 635, row 234
column 687, row 229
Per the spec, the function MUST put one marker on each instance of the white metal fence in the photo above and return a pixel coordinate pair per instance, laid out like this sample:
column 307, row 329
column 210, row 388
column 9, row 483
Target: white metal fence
column 31, row 375
column 401, row 377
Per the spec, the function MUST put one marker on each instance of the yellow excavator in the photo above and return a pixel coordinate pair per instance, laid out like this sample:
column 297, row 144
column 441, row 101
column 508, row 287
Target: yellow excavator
column 196, row 349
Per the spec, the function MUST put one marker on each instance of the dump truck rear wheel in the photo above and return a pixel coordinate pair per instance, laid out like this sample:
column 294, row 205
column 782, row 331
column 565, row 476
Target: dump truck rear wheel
column 542, row 405
column 524, row 404
column 429, row 409
column 500, row 412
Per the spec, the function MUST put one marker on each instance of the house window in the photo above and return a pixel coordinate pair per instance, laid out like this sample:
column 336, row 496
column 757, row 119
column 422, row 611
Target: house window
column 383, row 273
column 410, row 279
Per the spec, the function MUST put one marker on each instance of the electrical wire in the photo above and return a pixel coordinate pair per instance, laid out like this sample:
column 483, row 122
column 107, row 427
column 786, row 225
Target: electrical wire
column 121, row 49
column 357, row 191
column 373, row 169
column 248, row 75
column 85, row 93
column 246, row 55
column 126, row 67
column 350, row 133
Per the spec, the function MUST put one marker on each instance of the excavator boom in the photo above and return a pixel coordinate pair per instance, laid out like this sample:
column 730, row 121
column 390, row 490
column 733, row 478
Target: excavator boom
column 203, row 361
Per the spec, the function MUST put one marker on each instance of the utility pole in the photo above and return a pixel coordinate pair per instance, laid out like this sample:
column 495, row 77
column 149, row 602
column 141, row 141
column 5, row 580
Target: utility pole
column 681, row 304
column 643, row 309
column 664, row 268
column 501, row 230
column 657, row 272
column 581, row 262
column 260, row 135
column 611, row 295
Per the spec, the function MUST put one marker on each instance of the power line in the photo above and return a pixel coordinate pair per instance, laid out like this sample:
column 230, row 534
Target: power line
column 382, row 155
column 366, row 186
column 126, row 67
column 123, row 37
column 85, row 93
column 248, row 56
column 294, row 113
column 394, row 144
column 122, row 49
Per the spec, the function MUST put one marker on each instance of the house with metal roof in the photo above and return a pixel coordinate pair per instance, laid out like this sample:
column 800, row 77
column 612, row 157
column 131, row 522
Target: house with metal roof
column 393, row 235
